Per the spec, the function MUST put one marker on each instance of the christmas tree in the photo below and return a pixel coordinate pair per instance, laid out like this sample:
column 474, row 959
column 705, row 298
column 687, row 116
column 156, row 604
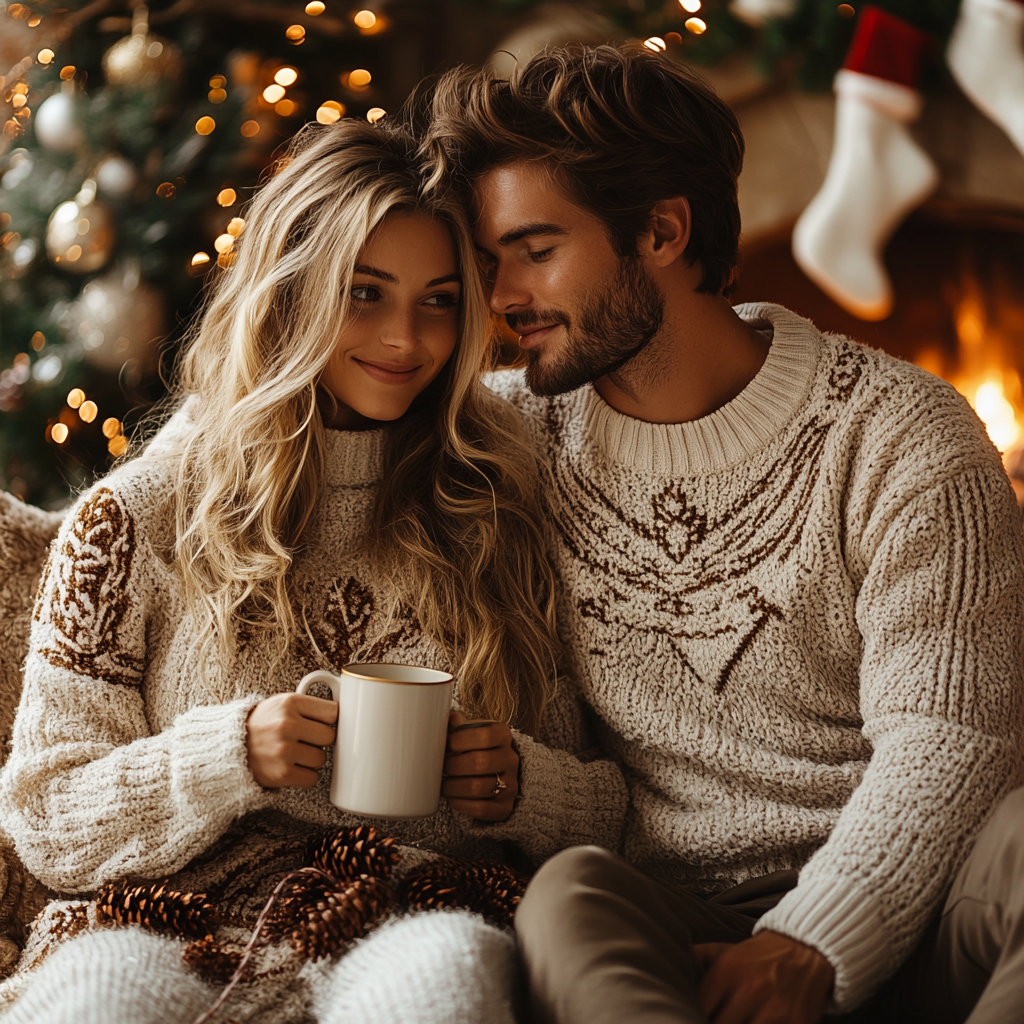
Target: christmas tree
column 131, row 138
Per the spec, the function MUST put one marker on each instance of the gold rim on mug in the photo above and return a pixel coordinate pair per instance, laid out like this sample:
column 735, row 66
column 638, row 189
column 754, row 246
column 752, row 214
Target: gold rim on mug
column 352, row 670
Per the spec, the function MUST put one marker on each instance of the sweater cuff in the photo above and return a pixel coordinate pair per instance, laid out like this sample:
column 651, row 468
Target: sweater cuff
column 210, row 758
column 842, row 923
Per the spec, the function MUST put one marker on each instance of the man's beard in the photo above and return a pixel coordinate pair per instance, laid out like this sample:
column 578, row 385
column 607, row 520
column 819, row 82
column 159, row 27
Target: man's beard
column 612, row 328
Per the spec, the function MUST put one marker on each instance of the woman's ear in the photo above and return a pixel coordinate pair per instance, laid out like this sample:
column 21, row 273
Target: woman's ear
column 668, row 232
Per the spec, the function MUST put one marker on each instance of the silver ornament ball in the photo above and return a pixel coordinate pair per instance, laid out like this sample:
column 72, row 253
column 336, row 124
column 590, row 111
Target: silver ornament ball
column 115, row 176
column 116, row 319
column 80, row 233
column 58, row 123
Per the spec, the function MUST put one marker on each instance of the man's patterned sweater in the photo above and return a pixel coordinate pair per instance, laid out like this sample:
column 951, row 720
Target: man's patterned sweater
column 799, row 622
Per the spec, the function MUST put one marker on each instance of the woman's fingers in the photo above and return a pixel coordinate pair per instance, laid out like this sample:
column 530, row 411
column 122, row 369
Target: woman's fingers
column 478, row 736
column 484, row 810
column 309, row 757
column 472, row 787
column 314, row 733
column 481, row 762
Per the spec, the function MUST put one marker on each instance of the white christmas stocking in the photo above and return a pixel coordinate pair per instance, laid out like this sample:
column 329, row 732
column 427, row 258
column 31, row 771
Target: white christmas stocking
column 877, row 173
column 757, row 12
column 986, row 57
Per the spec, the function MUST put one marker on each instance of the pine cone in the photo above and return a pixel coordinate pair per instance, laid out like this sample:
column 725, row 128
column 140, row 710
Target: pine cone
column 157, row 907
column 484, row 887
column 351, row 852
column 211, row 961
column 320, row 916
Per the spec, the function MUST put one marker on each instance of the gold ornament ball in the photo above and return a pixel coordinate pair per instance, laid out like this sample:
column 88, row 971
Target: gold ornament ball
column 116, row 319
column 80, row 233
column 142, row 60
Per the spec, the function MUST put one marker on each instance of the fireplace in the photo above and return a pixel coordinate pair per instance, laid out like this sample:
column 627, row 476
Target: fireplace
column 959, row 284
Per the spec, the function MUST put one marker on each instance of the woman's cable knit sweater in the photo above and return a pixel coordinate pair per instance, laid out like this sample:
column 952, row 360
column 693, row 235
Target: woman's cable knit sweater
column 799, row 622
column 124, row 764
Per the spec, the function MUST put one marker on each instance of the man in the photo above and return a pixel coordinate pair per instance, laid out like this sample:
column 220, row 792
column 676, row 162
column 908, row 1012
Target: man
column 794, row 589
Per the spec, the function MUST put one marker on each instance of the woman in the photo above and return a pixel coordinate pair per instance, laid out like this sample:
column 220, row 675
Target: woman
column 335, row 486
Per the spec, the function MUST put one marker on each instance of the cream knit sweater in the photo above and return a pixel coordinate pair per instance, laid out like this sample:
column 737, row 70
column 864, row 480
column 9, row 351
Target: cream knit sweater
column 123, row 763
column 799, row 622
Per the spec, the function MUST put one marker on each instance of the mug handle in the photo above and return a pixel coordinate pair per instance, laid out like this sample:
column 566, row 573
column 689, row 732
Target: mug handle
column 320, row 676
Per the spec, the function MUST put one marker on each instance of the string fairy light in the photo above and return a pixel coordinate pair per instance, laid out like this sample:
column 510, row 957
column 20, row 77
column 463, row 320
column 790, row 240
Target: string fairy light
column 656, row 44
column 45, row 55
column 285, row 108
column 88, row 411
column 330, row 111
column 696, row 26
column 374, row 114
column 67, row 72
column 364, row 19
column 845, row 11
column 59, row 433
column 38, row 341
column 359, row 79
column 76, row 396
column 227, row 197
column 205, row 125
column 111, row 427
column 286, row 76
column 295, row 34
column 235, row 227
column 690, row 6
column 315, row 8
column 250, row 128
column 200, row 259
column 222, row 243
column 117, row 445
column 273, row 93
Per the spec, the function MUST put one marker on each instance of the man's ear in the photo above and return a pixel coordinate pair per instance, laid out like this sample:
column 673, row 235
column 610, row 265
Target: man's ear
column 668, row 232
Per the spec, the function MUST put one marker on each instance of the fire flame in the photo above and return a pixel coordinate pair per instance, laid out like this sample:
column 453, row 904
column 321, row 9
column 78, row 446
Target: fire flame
column 982, row 373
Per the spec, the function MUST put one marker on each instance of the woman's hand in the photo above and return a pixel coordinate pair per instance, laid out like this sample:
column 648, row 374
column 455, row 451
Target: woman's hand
column 479, row 756
column 284, row 737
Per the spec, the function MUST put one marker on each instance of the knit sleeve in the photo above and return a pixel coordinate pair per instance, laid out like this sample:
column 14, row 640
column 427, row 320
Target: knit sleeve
column 941, row 613
column 569, row 793
column 89, row 794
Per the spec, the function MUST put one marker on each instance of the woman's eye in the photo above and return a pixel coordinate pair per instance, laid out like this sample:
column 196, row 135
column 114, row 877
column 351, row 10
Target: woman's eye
column 443, row 300
column 365, row 293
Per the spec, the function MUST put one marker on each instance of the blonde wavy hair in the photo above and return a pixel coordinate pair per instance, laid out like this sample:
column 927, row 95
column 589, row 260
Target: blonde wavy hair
column 458, row 512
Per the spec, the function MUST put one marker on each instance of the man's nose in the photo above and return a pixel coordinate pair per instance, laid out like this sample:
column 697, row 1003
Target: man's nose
column 508, row 292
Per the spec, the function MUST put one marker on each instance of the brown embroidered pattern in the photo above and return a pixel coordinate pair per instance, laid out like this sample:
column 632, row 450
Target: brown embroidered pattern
column 88, row 597
column 846, row 372
column 340, row 630
column 688, row 578
column 339, row 626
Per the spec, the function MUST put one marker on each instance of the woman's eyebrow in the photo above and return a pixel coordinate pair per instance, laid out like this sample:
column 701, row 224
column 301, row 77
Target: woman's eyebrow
column 383, row 275
column 457, row 278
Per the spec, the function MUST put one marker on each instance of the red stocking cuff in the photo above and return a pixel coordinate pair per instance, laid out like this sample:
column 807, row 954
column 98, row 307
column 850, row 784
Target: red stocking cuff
column 887, row 47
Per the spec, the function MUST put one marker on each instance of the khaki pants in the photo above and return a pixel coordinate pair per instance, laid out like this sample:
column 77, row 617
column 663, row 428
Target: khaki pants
column 604, row 944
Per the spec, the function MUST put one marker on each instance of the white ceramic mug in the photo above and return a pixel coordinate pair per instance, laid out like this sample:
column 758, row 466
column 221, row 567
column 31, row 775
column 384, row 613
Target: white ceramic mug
column 392, row 731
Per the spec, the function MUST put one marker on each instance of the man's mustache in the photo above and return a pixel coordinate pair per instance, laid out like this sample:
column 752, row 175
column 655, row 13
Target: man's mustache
column 520, row 322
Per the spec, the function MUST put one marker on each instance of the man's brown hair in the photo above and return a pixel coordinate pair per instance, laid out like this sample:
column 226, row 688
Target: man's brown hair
column 621, row 128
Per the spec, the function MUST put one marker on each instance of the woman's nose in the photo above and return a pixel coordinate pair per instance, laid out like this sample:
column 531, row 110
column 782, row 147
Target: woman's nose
column 400, row 333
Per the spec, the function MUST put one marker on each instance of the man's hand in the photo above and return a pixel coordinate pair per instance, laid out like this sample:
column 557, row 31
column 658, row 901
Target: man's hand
column 478, row 757
column 284, row 737
column 767, row 979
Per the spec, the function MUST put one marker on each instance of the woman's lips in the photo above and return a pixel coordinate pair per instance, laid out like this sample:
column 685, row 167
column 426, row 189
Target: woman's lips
column 388, row 373
column 533, row 338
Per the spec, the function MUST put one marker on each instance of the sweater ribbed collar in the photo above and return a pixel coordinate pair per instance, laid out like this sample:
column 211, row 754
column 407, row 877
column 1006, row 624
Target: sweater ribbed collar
column 353, row 458
column 731, row 434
